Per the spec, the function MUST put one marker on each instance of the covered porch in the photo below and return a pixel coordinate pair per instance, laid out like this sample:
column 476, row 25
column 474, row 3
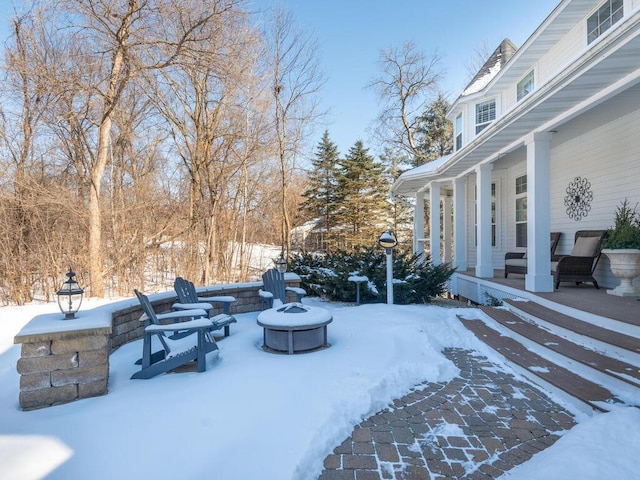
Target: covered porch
column 559, row 160
column 582, row 301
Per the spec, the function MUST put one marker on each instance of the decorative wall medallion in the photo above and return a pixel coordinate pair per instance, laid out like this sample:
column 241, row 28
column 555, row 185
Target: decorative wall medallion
column 578, row 199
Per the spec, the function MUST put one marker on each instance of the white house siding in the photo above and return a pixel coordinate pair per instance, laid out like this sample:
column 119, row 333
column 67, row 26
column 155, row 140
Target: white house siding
column 562, row 54
column 510, row 96
column 499, row 176
column 520, row 156
column 602, row 145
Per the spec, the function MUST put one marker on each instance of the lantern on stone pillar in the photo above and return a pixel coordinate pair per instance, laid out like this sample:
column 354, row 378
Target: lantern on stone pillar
column 70, row 296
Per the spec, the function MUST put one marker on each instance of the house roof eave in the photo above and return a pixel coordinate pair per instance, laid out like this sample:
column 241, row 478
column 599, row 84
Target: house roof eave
column 583, row 86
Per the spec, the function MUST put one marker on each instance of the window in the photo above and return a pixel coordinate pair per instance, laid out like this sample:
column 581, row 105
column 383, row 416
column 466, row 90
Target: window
column 485, row 114
column 493, row 215
column 609, row 13
column 521, row 211
column 458, row 132
column 525, row 86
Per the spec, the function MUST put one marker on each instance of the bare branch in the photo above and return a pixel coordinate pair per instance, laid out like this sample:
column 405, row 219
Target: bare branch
column 408, row 81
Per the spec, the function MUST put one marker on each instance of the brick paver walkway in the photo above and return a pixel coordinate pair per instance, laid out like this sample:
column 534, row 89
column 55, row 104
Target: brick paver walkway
column 477, row 426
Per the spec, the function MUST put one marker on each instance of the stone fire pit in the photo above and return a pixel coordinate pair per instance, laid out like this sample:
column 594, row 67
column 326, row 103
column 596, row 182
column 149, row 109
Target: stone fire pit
column 294, row 328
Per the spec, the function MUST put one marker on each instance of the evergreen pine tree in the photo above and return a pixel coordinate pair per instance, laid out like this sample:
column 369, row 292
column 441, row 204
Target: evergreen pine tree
column 434, row 133
column 320, row 197
column 363, row 191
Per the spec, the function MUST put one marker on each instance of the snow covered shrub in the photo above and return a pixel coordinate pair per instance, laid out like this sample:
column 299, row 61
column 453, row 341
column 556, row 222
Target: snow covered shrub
column 327, row 276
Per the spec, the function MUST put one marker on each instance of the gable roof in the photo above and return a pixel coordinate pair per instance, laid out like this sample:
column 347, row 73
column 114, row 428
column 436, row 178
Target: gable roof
column 599, row 71
column 491, row 67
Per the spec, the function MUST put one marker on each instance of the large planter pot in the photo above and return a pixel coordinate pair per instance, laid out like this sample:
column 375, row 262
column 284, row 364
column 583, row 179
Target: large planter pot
column 625, row 264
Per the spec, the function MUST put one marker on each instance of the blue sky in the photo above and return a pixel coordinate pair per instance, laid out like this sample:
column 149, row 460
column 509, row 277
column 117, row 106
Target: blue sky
column 351, row 33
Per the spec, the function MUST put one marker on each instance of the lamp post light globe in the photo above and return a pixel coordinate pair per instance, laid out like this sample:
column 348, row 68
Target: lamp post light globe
column 388, row 241
column 70, row 296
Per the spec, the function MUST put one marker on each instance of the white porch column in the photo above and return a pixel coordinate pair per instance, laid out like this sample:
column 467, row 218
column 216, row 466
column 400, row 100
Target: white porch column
column 418, row 224
column 460, row 224
column 447, row 227
column 484, row 264
column 434, row 223
column 538, row 277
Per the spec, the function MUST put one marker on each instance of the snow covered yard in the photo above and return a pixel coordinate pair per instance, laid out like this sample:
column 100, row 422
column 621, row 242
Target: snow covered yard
column 258, row 415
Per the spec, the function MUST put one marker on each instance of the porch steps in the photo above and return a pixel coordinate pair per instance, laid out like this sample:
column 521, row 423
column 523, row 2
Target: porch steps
column 595, row 396
column 604, row 364
column 535, row 311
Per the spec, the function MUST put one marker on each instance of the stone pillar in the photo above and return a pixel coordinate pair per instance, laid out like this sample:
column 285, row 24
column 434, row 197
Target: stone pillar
column 484, row 264
column 538, row 277
column 62, row 367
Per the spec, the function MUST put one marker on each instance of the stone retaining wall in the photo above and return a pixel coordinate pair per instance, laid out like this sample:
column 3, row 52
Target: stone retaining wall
column 60, row 363
column 62, row 367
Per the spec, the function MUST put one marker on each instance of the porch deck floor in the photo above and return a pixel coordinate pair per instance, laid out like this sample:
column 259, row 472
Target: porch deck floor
column 584, row 297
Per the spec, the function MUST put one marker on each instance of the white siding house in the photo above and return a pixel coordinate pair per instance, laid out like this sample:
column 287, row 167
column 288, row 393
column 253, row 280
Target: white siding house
column 564, row 105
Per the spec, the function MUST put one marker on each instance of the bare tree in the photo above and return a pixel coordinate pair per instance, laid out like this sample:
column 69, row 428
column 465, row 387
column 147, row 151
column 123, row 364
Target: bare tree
column 407, row 83
column 31, row 205
column 123, row 39
column 297, row 80
column 130, row 125
column 213, row 102
column 479, row 55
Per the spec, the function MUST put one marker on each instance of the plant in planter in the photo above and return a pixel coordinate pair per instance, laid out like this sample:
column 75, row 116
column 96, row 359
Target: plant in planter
column 622, row 247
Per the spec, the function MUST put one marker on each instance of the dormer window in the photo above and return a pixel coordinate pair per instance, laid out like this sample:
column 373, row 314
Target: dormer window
column 525, row 86
column 602, row 19
column 485, row 114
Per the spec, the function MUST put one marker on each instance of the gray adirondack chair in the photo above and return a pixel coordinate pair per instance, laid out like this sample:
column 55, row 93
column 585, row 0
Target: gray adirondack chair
column 274, row 288
column 182, row 342
column 188, row 299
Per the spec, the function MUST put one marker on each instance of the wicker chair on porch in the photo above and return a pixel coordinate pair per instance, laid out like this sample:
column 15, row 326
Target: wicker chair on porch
column 581, row 263
column 516, row 262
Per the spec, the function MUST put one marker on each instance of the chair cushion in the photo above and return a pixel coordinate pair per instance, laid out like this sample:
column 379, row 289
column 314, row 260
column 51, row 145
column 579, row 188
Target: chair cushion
column 585, row 247
column 516, row 262
column 554, row 267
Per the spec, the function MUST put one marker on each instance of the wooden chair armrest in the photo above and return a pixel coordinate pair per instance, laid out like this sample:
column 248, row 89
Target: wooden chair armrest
column 296, row 290
column 218, row 299
column 192, row 306
column 178, row 314
column 200, row 324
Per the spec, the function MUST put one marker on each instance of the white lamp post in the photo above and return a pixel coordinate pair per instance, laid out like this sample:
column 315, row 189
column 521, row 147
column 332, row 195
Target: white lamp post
column 388, row 241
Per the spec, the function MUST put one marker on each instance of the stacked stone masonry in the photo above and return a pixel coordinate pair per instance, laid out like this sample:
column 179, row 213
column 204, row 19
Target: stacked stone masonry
column 61, row 367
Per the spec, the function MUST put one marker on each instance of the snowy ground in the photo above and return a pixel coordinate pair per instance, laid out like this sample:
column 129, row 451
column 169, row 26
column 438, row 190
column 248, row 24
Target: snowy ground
column 254, row 415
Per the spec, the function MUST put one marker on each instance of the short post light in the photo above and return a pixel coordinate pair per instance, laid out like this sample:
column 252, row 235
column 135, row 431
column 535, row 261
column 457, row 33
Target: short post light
column 70, row 296
column 388, row 241
column 281, row 264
